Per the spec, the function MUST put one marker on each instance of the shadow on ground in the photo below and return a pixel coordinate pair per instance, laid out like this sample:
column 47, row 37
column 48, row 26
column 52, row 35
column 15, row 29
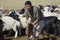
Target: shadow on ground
column 48, row 39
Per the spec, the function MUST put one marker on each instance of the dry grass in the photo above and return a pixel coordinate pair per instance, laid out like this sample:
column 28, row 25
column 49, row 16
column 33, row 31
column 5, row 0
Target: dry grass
column 18, row 4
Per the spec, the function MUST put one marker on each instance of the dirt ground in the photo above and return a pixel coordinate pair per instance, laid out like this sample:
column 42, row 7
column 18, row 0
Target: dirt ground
column 25, row 38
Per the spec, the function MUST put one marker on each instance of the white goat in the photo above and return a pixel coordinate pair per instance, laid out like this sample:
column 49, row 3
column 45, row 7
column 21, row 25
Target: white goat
column 10, row 23
column 47, row 13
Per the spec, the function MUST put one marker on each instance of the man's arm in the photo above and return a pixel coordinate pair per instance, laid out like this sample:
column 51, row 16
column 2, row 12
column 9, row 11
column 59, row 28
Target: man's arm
column 27, row 17
column 35, row 22
column 37, row 17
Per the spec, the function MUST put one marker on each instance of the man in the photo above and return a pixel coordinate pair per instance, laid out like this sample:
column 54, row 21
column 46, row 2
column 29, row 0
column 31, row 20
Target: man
column 33, row 13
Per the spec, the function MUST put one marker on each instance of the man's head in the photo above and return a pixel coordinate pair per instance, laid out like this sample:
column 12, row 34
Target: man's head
column 28, row 5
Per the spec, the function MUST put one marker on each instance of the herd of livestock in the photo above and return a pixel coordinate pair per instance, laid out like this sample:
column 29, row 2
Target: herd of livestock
column 14, row 20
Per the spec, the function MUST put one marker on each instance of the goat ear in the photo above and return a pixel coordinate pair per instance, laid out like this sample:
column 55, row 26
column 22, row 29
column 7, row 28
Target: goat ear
column 22, row 11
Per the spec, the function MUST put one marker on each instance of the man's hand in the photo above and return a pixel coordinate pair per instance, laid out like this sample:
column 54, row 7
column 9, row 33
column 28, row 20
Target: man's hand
column 33, row 23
